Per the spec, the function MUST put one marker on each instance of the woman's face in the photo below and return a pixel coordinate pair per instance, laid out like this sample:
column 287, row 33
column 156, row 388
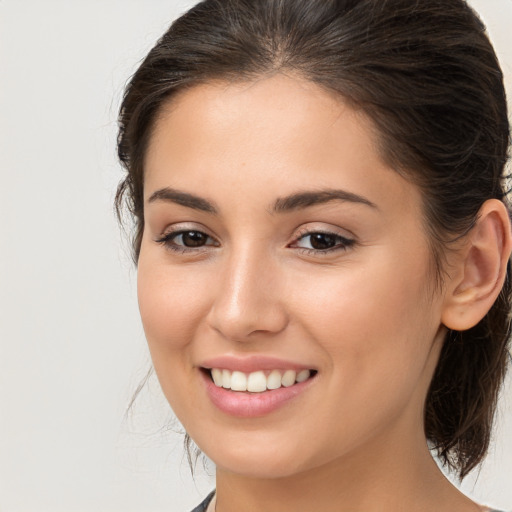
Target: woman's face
column 278, row 241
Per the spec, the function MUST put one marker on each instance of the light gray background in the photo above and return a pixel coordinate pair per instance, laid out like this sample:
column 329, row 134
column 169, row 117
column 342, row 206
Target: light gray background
column 72, row 348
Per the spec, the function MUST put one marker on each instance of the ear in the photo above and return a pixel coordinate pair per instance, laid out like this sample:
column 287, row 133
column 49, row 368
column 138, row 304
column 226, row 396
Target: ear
column 479, row 269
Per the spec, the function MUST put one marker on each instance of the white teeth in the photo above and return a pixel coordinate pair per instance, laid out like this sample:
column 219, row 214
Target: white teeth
column 226, row 379
column 303, row 375
column 289, row 378
column 217, row 377
column 238, row 381
column 274, row 380
column 257, row 382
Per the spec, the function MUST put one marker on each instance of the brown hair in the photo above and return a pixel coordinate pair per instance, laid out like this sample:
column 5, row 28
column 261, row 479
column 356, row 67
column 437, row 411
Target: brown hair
column 426, row 74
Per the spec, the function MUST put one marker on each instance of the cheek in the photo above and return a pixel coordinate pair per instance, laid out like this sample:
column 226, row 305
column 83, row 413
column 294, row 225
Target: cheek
column 378, row 297
column 171, row 309
column 171, row 303
column 376, row 328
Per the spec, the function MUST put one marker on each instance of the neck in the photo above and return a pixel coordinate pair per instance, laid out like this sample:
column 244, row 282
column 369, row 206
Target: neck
column 381, row 477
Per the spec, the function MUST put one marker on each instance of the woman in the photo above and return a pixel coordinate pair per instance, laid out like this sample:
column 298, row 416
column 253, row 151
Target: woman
column 323, row 246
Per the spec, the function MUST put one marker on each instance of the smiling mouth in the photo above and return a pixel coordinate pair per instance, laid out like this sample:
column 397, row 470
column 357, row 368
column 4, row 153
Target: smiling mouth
column 258, row 381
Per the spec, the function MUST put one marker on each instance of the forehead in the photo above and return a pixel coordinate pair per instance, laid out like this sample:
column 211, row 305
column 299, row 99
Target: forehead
column 292, row 108
column 270, row 136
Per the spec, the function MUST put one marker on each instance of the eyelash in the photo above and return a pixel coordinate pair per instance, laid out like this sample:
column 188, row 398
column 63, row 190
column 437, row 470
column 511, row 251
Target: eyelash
column 167, row 240
column 343, row 243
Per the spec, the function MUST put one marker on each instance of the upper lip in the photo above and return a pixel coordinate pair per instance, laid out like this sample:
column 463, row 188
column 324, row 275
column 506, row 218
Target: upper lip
column 252, row 363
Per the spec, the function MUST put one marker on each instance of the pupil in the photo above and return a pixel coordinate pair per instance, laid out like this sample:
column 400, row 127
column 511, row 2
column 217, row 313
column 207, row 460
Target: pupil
column 322, row 241
column 193, row 239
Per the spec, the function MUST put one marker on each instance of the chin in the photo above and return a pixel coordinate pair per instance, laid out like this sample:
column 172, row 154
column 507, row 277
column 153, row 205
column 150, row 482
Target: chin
column 259, row 463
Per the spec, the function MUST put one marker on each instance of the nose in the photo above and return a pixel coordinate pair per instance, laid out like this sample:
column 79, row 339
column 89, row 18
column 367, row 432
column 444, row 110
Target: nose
column 248, row 298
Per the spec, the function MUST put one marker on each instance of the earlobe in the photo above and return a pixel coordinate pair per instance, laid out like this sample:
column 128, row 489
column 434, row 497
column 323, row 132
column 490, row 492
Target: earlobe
column 480, row 268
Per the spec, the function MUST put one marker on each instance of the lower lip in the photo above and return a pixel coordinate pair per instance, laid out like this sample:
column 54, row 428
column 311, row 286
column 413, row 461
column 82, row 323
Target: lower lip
column 244, row 404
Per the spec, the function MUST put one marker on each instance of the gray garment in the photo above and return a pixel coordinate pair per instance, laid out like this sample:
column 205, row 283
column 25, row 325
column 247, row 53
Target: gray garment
column 204, row 505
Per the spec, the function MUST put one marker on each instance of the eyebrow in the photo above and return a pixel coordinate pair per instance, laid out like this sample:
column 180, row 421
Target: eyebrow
column 184, row 199
column 289, row 203
column 305, row 199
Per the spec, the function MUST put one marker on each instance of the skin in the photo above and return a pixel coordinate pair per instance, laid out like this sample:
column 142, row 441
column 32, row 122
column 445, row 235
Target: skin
column 364, row 315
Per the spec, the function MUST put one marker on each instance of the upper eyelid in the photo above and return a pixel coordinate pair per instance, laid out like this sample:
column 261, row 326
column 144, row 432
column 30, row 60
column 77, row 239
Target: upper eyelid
column 327, row 231
column 183, row 227
column 346, row 241
column 167, row 234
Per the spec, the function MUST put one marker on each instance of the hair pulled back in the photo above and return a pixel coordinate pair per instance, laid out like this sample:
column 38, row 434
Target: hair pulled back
column 427, row 76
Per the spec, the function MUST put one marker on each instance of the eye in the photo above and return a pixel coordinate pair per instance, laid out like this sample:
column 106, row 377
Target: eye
column 322, row 242
column 185, row 240
column 190, row 238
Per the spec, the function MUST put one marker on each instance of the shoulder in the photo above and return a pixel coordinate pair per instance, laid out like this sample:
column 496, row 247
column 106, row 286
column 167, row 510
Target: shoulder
column 204, row 504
